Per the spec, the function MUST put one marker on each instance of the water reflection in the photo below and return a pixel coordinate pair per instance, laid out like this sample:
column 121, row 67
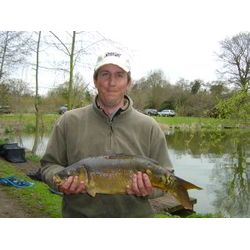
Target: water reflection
column 225, row 160
column 233, row 177
column 27, row 141
column 218, row 161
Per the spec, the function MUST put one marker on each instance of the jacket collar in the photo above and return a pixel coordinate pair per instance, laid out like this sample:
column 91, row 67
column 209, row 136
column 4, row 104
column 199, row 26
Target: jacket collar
column 125, row 109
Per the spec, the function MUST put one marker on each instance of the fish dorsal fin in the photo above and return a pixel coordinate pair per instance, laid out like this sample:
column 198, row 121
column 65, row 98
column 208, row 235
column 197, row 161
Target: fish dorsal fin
column 118, row 156
column 127, row 156
column 150, row 159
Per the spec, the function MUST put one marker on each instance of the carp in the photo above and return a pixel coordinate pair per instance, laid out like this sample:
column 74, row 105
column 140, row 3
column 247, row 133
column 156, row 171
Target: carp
column 113, row 174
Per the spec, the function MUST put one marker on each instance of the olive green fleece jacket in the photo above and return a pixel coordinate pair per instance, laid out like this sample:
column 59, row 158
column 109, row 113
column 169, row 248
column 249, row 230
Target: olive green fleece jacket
column 88, row 131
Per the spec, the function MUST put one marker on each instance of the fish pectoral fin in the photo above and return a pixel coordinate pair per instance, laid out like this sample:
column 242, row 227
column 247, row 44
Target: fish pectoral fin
column 187, row 185
column 91, row 190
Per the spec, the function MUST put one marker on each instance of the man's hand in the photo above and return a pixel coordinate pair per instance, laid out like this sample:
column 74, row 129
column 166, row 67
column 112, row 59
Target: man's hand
column 141, row 185
column 72, row 186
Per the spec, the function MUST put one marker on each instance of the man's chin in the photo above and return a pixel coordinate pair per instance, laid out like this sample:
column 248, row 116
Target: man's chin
column 112, row 103
column 112, row 100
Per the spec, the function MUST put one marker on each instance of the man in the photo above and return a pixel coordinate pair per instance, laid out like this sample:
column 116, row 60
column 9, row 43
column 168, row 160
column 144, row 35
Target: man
column 109, row 126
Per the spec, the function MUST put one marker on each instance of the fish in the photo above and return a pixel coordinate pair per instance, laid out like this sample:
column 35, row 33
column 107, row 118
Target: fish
column 112, row 174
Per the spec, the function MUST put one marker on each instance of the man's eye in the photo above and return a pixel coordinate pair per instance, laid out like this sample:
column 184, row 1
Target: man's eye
column 121, row 75
column 104, row 74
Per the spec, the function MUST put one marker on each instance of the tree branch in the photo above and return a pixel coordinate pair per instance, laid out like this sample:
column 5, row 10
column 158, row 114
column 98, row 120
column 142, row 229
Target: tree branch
column 62, row 43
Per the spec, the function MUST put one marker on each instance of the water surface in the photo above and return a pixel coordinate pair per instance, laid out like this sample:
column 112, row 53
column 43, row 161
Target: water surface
column 219, row 162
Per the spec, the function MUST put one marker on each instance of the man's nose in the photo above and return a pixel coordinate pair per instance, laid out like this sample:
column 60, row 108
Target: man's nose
column 112, row 80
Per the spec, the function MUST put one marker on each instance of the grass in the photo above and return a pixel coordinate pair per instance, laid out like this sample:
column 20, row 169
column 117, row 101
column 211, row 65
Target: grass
column 195, row 215
column 32, row 157
column 193, row 121
column 26, row 122
column 37, row 199
column 186, row 214
column 28, row 117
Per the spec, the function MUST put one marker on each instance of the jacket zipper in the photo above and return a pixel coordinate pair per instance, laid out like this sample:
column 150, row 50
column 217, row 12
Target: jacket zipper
column 111, row 134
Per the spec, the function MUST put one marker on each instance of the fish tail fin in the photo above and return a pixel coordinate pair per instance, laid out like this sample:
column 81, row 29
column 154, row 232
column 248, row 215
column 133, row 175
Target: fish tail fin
column 187, row 185
column 182, row 196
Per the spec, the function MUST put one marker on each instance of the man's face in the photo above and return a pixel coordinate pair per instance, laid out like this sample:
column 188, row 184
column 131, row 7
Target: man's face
column 111, row 83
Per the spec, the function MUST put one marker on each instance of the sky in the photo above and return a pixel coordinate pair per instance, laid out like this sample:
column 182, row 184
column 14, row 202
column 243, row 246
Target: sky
column 182, row 37
column 179, row 37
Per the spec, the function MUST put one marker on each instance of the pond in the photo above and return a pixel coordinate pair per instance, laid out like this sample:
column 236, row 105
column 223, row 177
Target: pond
column 218, row 161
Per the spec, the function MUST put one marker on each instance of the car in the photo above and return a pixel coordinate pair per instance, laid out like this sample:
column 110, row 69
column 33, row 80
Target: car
column 151, row 112
column 167, row 112
column 5, row 109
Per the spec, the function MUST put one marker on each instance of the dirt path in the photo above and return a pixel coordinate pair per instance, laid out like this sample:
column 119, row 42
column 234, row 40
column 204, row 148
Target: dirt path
column 9, row 208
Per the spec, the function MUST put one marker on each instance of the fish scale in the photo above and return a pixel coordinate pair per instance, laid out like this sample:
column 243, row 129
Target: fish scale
column 111, row 181
column 113, row 175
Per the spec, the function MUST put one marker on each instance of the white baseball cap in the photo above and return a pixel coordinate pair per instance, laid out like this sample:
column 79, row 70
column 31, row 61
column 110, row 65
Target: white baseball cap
column 115, row 58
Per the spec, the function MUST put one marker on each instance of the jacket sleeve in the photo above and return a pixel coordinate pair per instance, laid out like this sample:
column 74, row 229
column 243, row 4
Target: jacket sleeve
column 159, row 149
column 159, row 152
column 55, row 157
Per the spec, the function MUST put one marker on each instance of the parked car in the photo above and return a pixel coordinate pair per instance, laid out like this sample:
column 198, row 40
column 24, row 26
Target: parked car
column 5, row 109
column 167, row 112
column 150, row 112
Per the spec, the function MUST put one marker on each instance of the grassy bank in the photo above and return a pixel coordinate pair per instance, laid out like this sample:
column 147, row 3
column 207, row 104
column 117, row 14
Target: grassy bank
column 26, row 122
column 36, row 200
column 196, row 122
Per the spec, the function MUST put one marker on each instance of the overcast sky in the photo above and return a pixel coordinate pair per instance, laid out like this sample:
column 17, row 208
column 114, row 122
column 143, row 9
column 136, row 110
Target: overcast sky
column 179, row 37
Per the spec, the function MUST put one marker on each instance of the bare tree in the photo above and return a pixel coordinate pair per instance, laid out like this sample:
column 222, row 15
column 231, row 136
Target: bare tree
column 70, row 52
column 71, row 71
column 79, row 92
column 34, row 148
column 235, row 57
column 14, row 47
column 80, row 45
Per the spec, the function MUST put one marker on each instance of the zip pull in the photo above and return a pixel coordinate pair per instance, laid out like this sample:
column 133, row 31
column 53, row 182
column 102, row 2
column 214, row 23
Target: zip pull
column 111, row 125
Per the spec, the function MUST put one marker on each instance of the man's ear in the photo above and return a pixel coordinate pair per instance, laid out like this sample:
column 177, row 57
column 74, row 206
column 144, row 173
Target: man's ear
column 129, row 87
